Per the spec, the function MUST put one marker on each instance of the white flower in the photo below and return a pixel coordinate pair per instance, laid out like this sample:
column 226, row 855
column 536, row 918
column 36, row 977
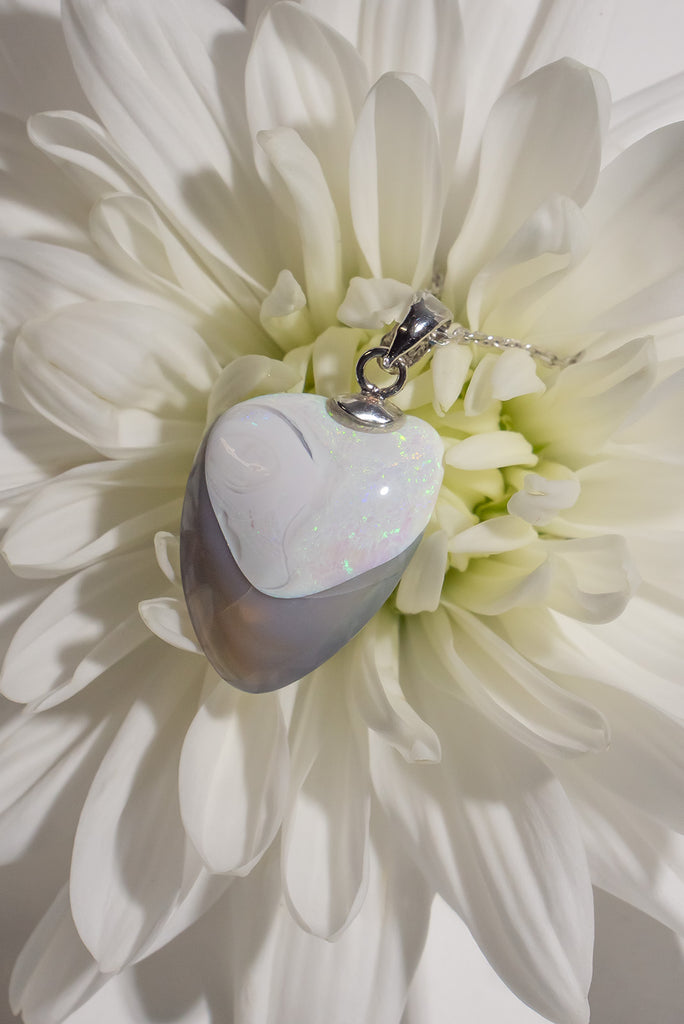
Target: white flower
column 219, row 215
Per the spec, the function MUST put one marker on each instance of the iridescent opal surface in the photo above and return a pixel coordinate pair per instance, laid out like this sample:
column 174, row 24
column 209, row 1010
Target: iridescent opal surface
column 295, row 530
column 306, row 503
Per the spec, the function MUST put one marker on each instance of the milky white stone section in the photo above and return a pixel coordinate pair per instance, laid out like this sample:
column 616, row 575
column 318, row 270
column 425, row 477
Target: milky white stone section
column 305, row 503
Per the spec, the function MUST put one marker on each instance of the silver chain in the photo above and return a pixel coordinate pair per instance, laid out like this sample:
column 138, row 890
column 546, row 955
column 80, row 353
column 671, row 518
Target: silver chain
column 427, row 323
column 460, row 335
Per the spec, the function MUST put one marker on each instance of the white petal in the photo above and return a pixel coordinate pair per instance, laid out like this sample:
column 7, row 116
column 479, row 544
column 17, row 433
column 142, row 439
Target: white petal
column 301, row 74
column 32, row 451
column 396, row 192
column 37, row 278
column 451, row 512
column 129, row 849
column 123, row 377
column 316, row 216
column 378, row 697
column 654, row 427
column 645, row 761
column 176, row 981
column 492, row 585
column 492, row 536
column 149, row 72
column 611, row 38
column 47, row 760
column 423, row 40
column 519, row 170
column 233, row 778
column 285, row 298
column 247, row 377
column 200, row 890
column 631, row 277
column 168, row 618
column 27, row 178
column 587, row 402
column 630, row 495
column 644, row 110
column 325, row 835
column 540, row 499
column 167, row 550
column 453, row 971
column 285, row 315
column 344, row 18
column 506, row 293
column 514, row 374
column 19, row 599
column 630, row 854
column 130, row 231
column 639, row 653
column 498, row 51
column 276, row 972
column 649, row 635
column 54, row 974
column 513, row 693
column 491, row 451
column 420, row 587
column 83, row 151
column 373, row 302
column 479, row 396
column 492, row 830
column 417, row 393
column 40, row 759
column 134, row 238
column 334, row 359
column 449, row 368
column 85, row 625
column 92, row 511
column 592, row 579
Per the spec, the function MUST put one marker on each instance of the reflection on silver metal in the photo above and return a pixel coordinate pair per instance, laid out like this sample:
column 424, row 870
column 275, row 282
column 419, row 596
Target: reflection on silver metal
column 422, row 326
column 426, row 323
column 398, row 370
column 364, row 411
column 410, row 340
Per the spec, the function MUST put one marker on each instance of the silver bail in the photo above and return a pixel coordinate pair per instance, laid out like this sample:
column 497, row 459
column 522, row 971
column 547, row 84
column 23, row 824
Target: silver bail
column 409, row 340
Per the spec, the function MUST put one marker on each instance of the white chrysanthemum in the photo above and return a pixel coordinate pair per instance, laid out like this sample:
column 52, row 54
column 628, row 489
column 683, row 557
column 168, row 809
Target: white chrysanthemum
column 230, row 213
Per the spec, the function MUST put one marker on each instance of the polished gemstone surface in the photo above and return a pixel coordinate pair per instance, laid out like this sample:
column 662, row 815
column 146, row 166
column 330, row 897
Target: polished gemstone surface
column 306, row 503
column 258, row 642
column 282, row 495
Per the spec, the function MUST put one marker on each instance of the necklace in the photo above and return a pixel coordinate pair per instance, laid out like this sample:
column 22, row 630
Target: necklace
column 302, row 513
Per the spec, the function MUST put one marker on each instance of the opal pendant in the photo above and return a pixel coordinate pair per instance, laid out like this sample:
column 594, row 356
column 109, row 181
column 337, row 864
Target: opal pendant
column 296, row 527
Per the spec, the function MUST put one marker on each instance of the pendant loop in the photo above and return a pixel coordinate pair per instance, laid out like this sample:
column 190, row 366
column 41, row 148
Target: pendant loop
column 398, row 369
column 426, row 323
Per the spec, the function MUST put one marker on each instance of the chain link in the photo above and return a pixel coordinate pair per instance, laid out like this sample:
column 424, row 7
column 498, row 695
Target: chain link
column 458, row 334
column 428, row 323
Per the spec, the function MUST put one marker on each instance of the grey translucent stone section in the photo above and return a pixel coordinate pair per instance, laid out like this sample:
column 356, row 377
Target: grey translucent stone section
column 256, row 642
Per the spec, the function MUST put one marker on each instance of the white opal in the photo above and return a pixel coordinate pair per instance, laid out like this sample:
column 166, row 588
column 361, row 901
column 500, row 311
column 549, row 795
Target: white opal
column 306, row 503
column 295, row 530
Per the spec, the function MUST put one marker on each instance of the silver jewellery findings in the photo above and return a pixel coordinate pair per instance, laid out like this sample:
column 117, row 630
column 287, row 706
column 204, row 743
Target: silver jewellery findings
column 427, row 323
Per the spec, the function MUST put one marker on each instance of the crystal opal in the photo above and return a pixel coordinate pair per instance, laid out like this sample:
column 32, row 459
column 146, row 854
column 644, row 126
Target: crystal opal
column 295, row 530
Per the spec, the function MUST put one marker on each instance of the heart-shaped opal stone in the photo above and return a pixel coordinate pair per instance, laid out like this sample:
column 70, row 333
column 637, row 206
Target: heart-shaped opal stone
column 295, row 530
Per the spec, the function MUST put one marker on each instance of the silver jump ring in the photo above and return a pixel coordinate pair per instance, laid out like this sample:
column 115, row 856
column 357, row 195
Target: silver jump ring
column 366, row 385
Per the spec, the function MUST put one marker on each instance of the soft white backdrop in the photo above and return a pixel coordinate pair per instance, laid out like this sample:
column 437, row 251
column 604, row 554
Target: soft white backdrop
column 639, row 976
